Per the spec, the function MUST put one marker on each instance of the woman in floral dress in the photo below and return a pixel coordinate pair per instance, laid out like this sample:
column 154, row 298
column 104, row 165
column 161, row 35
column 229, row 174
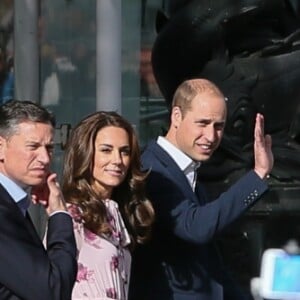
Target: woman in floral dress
column 104, row 188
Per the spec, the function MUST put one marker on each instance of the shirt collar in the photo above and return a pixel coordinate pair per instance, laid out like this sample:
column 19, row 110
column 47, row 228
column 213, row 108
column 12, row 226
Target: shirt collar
column 15, row 191
column 184, row 162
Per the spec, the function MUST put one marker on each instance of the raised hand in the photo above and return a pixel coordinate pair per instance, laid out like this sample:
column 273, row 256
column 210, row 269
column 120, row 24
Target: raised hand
column 263, row 155
column 49, row 195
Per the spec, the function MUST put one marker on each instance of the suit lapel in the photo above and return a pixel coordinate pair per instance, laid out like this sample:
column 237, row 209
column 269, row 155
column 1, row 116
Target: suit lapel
column 10, row 211
column 173, row 169
column 201, row 193
column 30, row 224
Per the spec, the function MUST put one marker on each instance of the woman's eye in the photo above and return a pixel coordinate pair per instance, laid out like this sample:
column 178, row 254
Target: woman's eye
column 125, row 152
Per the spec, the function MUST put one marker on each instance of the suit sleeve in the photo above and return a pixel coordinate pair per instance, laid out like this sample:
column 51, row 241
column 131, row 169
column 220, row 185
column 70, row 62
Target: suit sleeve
column 194, row 222
column 61, row 249
column 31, row 271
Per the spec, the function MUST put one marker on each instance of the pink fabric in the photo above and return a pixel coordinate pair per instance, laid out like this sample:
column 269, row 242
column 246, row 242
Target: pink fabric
column 103, row 261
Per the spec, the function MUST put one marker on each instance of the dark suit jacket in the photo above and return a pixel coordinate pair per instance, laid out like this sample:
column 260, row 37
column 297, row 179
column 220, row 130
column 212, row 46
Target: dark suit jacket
column 181, row 262
column 27, row 270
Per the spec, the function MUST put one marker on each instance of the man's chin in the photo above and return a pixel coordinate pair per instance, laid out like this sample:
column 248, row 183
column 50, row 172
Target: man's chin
column 37, row 181
column 202, row 157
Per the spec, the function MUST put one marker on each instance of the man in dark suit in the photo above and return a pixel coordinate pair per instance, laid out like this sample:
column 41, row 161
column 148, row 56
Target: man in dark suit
column 27, row 270
column 182, row 262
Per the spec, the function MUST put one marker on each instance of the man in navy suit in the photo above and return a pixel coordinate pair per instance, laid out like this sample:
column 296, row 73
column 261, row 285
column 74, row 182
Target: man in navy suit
column 27, row 270
column 182, row 262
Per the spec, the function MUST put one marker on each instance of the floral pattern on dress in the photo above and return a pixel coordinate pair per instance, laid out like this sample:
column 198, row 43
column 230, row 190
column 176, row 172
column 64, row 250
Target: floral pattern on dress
column 92, row 238
column 103, row 261
column 84, row 273
column 111, row 293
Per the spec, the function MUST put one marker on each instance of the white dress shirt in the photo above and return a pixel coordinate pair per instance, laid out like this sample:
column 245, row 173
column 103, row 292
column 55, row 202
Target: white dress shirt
column 185, row 163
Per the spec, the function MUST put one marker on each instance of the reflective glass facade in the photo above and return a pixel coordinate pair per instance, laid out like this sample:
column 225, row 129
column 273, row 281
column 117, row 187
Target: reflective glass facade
column 68, row 62
column 6, row 51
column 67, row 33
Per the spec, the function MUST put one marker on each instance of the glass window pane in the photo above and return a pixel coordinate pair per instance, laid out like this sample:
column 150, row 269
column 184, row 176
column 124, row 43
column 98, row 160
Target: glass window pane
column 68, row 52
column 142, row 102
column 6, row 51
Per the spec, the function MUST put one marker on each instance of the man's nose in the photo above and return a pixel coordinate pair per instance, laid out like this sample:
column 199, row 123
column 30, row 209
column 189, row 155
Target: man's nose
column 44, row 155
column 210, row 133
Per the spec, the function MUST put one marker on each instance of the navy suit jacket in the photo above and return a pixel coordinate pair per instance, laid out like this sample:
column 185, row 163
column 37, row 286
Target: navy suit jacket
column 27, row 270
column 181, row 262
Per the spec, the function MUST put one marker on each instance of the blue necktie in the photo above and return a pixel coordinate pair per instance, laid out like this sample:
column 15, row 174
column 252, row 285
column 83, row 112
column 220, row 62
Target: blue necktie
column 24, row 204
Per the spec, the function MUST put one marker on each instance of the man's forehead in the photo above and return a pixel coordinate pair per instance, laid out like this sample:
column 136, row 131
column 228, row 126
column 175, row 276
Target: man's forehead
column 209, row 96
column 33, row 131
column 209, row 102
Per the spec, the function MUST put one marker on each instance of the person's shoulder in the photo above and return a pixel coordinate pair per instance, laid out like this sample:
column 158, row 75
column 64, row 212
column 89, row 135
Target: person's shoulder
column 150, row 144
column 147, row 150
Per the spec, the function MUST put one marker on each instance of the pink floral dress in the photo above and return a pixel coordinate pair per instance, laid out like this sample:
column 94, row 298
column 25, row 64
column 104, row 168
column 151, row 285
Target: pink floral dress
column 103, row 262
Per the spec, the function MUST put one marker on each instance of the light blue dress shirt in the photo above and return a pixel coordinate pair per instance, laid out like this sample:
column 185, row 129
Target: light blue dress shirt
column 16, row 192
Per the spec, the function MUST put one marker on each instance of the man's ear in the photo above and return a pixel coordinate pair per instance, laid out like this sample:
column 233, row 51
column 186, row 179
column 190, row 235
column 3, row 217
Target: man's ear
column 176, row 116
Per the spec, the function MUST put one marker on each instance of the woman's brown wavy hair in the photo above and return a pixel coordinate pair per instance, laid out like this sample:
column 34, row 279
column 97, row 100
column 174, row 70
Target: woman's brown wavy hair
column 135, row 208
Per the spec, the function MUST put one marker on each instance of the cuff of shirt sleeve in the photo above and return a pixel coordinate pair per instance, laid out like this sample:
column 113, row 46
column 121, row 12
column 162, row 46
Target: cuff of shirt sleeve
column 58, row 212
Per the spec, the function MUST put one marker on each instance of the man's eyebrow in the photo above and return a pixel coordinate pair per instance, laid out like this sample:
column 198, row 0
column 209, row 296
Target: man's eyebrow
column 51, row 143
column 203, row 121
column 207, row 121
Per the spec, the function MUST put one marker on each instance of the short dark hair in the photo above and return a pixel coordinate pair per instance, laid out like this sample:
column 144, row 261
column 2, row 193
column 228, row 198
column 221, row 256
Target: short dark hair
column 14, row 112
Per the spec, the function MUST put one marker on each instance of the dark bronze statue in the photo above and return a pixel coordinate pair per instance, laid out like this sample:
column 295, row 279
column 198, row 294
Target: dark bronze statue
column 250, row 48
